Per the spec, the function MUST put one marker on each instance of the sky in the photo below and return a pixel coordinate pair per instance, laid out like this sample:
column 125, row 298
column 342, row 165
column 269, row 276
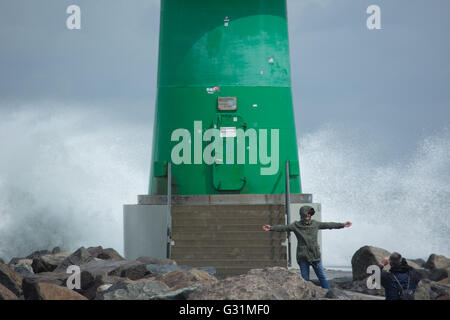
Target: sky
column 89, row 95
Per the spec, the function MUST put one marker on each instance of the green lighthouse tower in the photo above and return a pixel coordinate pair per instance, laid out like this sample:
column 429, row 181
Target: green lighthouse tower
column 224, row 155
column 224, row 64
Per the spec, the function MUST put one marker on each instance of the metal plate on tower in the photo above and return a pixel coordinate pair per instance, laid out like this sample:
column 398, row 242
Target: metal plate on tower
column 227, row 103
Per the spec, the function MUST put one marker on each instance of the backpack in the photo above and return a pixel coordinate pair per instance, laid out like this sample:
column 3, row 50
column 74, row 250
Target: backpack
column 405, row 294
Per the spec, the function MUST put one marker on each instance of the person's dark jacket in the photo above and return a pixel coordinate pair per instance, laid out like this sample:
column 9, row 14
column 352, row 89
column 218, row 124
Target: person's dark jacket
column 404, row 272
column 306, row 232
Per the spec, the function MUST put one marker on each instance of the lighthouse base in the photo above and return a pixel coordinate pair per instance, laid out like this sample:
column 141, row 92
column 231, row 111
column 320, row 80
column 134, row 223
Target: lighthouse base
column 220, row 231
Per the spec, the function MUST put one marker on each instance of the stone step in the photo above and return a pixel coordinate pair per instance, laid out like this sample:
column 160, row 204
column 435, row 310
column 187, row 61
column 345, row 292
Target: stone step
column 230, row 235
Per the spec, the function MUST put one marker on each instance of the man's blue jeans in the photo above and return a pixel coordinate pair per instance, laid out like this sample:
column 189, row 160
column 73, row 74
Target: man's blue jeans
column 318, row 269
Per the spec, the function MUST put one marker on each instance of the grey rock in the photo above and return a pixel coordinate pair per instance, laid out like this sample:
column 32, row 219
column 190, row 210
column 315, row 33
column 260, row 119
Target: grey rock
column 95, row 251
column 134, row 290
column 419, row 262
column 337, row 294
column 10, row 279
column 2, row 261
column 6, row 294
column 35, row 290
column 110, row 254
column 22, row 266
column 48, row 262
column 78, row 258
column 430, row 290
column 157, row 269
column 437, row 262
column 151, row 260
column 23, row 271
column 260, row 284
column 365, row 257
column 56, row 250
column 100, row 272
column 57, row 278
column 180, row 294
column 37, row 254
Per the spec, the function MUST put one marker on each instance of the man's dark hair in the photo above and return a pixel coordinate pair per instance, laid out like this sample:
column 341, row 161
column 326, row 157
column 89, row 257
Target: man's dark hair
column 312, row 211
column 395, row 259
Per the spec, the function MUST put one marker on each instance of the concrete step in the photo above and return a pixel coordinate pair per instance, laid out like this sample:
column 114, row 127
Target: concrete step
column 227, row 249
column 230, row 242
column 233, row 226
column 230, row 210
column 230, row 235
column 246, row 263
column 239, row 255
column 211, row 221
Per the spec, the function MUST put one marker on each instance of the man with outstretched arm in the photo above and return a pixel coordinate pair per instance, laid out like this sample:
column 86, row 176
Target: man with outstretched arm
column 308, row 250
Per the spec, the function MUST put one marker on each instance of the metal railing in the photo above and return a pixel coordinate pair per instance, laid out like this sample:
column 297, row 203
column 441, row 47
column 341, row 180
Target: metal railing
column 288, row 212
column 169, row 210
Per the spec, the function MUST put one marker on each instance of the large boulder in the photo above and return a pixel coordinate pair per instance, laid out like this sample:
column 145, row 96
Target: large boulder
column 430, row 290
column 95, row 251
column 368, row 256
column 57, row 278
column 6, row 294
column 48, row 262
column 34, row 290
column 10, row 279
column 133, row 270
column 419, row 262
column 365, row 257
column 134, row 290
column 22, row 266
column 78, row 258
column 182, row 279
column 37, row 254
column 437, row 262
column 110, row 254
column 107, row 272
column 260, row 284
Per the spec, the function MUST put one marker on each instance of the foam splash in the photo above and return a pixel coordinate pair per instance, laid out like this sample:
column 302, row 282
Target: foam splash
column 402, row 206
column 66, row 173
column 64, row 177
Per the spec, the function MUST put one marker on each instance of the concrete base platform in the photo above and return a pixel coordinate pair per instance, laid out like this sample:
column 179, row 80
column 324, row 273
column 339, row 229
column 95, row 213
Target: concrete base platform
column 223, row 231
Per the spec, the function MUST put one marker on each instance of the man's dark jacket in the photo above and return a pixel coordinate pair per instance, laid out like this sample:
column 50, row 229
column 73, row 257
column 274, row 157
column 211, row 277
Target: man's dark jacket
column 403, row 273
column 306, row 232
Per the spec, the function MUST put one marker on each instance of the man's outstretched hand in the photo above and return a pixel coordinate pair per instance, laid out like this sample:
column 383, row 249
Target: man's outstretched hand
column 348, row 224
column 266, row 227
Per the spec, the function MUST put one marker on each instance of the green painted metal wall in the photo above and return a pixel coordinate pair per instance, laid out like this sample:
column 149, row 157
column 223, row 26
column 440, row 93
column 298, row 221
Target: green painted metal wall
column 242, row 47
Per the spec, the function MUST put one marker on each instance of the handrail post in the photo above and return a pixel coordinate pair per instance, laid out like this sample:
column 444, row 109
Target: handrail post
column 288, row 212
column 169, row 210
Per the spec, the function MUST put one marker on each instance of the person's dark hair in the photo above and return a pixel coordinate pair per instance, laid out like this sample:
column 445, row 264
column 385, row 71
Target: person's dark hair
column 312, row 211
column 395, row 259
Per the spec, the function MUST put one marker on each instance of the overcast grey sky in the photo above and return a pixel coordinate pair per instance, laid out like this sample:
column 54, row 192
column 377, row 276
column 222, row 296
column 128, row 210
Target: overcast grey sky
column 372, row 113
column 393, row 82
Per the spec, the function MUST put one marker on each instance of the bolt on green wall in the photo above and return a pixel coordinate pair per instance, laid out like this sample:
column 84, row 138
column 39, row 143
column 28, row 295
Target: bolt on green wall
column 224, row 74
